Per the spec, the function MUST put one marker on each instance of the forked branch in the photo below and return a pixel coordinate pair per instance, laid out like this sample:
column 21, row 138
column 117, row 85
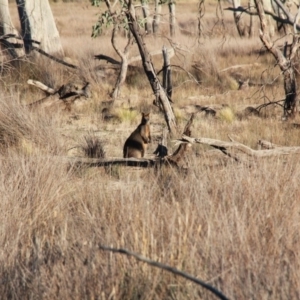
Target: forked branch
column 166, row 268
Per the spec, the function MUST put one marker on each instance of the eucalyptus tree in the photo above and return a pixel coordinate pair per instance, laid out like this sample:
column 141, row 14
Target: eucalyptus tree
column 126, row 16
column 38, row 26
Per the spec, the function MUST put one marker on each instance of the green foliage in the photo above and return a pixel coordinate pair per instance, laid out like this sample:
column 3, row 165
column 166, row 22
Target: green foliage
column 109, row 17
column 96, row 2
column 105, row 20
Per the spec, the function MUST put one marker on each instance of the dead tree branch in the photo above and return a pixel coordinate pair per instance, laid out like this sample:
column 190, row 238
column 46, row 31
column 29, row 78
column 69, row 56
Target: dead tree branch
column 240, row 66
column 149, row 69
column 41, row 86
column 166, row 268
column 65, row 92
column 264, row 105
column 54, row 58
column 133, row 59
column 235, row 148
column 273, row 15
column 285, row 63
column 104, row 162
column 108, row 59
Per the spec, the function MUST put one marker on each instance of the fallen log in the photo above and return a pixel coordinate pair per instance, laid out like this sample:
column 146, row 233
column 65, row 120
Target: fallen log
column 104, row 162
column 133, row 59
column 162, row 159
column 41, row 86
column 68, row 93
column 235, row 149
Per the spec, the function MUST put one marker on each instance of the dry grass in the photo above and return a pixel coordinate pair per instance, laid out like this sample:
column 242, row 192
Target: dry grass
column 234, row 226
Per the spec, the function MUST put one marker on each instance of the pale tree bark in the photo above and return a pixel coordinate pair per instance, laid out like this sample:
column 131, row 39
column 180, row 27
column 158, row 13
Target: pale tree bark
column 239, row 19
column 122, row 54
column 145, row 8
column 6, row 28
column 6, row 25
column 270, row 23
column 156, row 19
column 279, row 12
column 285, row 63
column 167, row 73
column 37, row 23
column 250, row 6
column 172, row 17
column 124, row 62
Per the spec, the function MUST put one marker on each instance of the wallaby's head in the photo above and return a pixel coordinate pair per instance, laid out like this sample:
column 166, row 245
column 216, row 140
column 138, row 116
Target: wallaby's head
column 145, row 118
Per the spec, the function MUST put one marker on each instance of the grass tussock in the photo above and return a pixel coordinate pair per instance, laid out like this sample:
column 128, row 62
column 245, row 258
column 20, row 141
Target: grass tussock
column 92, row 146
column 127, row 115
column 23, row 129
column 226, row 114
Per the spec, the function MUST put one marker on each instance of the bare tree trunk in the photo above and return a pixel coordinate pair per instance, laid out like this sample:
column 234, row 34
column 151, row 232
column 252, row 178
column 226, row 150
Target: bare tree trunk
column 280, row 26
column 285, row 64
column 201, row 13
column 149, row 69
column 7, row 27
column 156, row 19
column 239, row 20
column 267, row 5
column 124, row 62
column 145, row 8
column 167, row 73
column 172, row 17
column 37, row 23
column 250, row 31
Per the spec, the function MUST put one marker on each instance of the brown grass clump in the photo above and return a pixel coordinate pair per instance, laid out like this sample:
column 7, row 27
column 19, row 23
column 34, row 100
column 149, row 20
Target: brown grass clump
column 219, row 226
column 20, row 129
column 92, row 146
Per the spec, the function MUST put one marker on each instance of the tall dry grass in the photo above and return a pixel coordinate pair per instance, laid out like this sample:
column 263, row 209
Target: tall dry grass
column 232, row 225
column 235, row 227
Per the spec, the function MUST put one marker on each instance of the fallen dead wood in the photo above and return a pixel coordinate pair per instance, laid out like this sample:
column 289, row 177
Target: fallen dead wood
column 263, row 144
column 13, row 46
column 238, row 151
column 60, row 61
column 132, row 59
column 67, row 93
column 235, row 149
column 42, row 86
column 240, row 66
column 104, row 162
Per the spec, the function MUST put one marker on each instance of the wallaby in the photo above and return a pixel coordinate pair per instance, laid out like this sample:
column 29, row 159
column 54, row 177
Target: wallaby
column 136, row 143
